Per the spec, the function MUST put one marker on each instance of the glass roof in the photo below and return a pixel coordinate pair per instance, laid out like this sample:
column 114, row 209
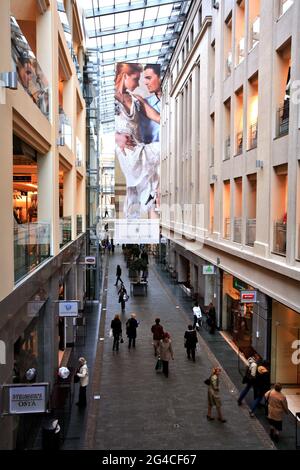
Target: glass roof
column 129, row 31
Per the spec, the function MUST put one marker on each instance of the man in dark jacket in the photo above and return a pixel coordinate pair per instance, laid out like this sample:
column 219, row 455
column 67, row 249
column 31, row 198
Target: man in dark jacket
column 118, row 274
column 131, row 326
column 158, row 334
column 190, row 341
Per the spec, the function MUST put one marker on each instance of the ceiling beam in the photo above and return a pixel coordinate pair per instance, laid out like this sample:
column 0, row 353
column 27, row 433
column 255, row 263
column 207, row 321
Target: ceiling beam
column 136, row 26
column 137, row 42
column 138, row 57
column 126, row 7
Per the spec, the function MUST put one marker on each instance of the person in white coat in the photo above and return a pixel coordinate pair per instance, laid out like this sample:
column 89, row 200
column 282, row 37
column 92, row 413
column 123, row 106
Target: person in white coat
column 83, row 374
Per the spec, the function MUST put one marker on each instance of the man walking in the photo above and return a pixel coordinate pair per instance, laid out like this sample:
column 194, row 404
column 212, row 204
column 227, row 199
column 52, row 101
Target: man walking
column 158, row 334
column 118, row 274
column 131, row 326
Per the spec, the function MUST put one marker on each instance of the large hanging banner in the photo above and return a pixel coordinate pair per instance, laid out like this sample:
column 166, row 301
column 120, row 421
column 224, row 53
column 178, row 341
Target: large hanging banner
column 137, row 150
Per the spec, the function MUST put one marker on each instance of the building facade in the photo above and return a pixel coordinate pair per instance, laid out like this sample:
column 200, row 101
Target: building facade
column 231, row 171
column 42, row 214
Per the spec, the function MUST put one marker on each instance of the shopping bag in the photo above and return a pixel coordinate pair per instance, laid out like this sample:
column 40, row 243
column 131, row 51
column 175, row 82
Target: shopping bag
column 111, row 333
column 158, row 365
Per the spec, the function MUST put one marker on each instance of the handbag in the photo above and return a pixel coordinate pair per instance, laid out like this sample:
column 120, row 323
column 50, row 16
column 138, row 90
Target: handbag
column 121, row 340
column 207, row 381
column 158, row 365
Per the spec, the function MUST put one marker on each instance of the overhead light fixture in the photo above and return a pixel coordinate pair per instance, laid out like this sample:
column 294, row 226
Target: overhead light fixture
column 43, row 6
column 259, row 164
column 214, row 177
column 215, row 5
column 9, row 80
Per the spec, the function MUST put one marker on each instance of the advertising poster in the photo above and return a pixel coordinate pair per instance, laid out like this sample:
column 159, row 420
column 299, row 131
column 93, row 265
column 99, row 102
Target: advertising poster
column 137, row 150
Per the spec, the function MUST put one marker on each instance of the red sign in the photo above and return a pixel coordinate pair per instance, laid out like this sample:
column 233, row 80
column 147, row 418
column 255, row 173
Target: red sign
column 248, row 296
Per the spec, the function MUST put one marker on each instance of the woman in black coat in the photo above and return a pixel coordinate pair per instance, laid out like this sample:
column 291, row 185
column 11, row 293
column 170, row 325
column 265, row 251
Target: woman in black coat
column 131, row 326
column 190, row 341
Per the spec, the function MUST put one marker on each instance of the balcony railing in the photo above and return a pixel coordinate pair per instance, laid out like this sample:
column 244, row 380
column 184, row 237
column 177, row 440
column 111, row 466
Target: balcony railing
column 65, row 225
column 283, row 119
column 240, row 50
column 31, row 247
column 227, row 152
column 79, row 153
column 250, row 232
column 237, row 230
column 78, row 224
column 227, row 227
column 211, row 228
column 228, row 64
column 255, row 32
column 279, row 245
column 253, row 133
column 30, row 74
column 239, row 143
column 65, row 130
column 212, row 156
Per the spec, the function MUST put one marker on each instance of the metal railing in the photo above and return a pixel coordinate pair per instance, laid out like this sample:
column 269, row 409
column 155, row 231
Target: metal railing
column 227, row 227
column 78, row 224
column 65, row 225
column 240, row 50
column 250, row 232
column 79, row 153
column 228, row 64
column 211, row 227
column 255, row 32
column 65, row 129
column 30, row 74
column 31, row 247
column 212, row 156
column 253, row 133
column 237, row 230
column 283, row 119
column 239, row 143
column 227, row 151
column 279, row 241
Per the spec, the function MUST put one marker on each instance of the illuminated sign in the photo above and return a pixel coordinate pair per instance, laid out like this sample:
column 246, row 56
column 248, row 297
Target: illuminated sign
column 248, row 296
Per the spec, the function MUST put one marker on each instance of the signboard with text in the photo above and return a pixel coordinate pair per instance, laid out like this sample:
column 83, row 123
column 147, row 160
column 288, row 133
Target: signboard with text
column 68, row 308
column 248, row 296
column 25, row 399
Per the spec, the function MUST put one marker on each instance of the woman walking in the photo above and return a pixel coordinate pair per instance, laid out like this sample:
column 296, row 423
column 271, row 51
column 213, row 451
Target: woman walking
column 166, row 352
column 190, row 342
column 116, row 327
column 214, row 395
column 277, row 407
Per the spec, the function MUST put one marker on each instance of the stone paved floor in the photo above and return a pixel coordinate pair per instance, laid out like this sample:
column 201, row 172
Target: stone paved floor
column 141, row 409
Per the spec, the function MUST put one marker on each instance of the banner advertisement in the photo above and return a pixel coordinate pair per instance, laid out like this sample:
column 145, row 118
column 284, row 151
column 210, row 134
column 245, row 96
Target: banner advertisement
column 137, row 150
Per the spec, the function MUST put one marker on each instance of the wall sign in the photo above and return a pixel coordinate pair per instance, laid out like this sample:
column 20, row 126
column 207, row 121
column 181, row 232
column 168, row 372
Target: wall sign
column 68, row 308
column 248, row 296
column 90, row 260
column 208, row 269
column 25, row 399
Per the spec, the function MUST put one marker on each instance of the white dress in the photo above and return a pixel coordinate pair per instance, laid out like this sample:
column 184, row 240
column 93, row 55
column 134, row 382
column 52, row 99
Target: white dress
column 139, row 165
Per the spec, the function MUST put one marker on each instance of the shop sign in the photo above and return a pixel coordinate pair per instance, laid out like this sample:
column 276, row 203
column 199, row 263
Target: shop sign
column 208, row 269
column 28, row 399
column 68, row 308
column 239, row 285
column 248, row 296
column 90, row 260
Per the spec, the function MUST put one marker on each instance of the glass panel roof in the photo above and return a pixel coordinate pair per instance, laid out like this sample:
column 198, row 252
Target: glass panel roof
column 133, row 31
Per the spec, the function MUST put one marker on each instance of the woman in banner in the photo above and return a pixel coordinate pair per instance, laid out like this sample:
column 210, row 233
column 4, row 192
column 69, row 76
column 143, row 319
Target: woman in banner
column 139, row 162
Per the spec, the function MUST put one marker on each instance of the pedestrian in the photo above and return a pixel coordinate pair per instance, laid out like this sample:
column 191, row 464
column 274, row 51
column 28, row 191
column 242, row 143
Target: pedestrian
column 158, row 334
column 131, row 326
column 197, row 315
column 166, row 352
column 83, row 374
column 190, row 342
column 214, row 395
column 261, row 386
column 123, row 297
column 249, row 377
column 118, row 274
column 277, row 406
column 212, row 319
column 116, row 327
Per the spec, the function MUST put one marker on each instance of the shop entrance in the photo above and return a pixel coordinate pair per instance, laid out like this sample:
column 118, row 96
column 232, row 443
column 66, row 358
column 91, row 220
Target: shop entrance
column 239, row 321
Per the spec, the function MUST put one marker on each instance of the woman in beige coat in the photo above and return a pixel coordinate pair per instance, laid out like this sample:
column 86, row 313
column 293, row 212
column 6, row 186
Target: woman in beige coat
column 83, row 375
column 166, row 352
column 214, row 395
column 277, row 406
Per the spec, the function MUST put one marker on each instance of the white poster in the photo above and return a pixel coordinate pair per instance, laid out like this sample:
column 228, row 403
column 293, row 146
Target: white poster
column 30, row 399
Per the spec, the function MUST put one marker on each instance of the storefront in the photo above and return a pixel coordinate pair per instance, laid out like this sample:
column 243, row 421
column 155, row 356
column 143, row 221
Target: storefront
column 245, row 322
column 285, row 354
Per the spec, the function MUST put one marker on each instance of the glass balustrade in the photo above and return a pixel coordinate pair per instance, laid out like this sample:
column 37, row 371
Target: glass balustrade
column 227, row 227
column 227, row 152
column 30, row 74
column 279, row 245
column 78, row 224
column 253, row 132
column 237, row 230
column 65, row 129
column 250, row 232
column 79, row 153
column 31, row 247
column 65, row 225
